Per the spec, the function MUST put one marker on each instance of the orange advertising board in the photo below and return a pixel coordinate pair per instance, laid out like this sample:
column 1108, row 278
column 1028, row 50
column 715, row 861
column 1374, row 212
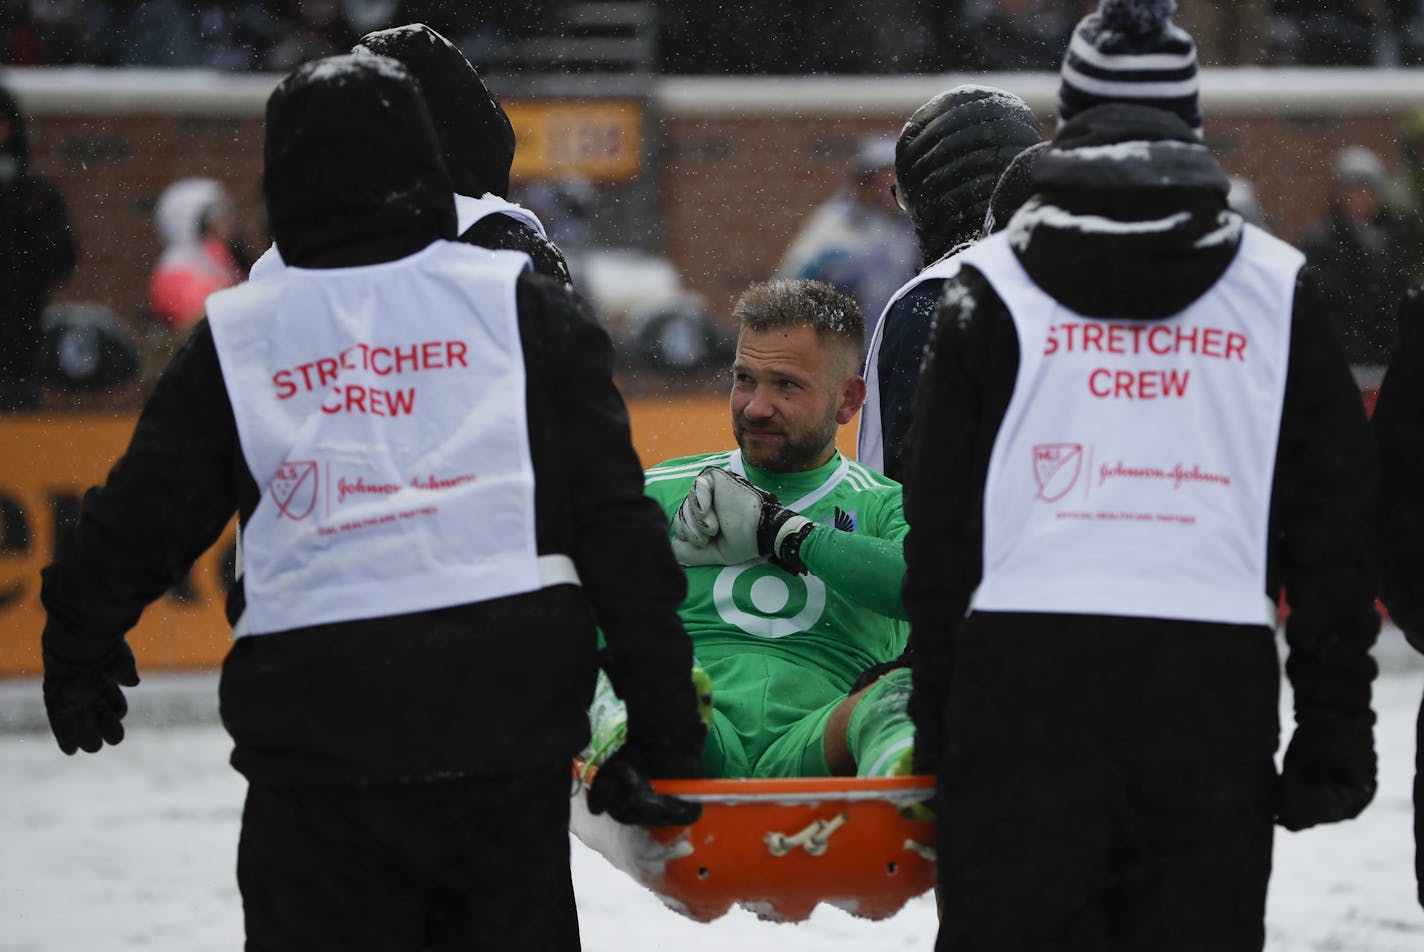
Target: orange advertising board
column 597, row 140
column 48, row 461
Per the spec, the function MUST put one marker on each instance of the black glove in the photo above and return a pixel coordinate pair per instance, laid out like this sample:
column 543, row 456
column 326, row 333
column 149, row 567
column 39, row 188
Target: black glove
column 623, row 790
column 725, row 520
column 1328, row 775
column 83, row 701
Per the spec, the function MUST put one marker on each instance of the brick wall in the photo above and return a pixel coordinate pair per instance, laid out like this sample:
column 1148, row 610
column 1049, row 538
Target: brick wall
column 732, row 190
column 112, row 170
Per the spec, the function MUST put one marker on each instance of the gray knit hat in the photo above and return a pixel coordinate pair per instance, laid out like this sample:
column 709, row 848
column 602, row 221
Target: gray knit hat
column 1131, row 51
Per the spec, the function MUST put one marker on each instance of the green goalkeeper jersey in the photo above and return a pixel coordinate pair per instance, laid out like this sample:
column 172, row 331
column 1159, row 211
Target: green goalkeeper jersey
column 845, row 614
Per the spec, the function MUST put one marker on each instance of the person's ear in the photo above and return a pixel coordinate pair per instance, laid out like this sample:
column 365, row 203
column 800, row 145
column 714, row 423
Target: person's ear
column 851, row 398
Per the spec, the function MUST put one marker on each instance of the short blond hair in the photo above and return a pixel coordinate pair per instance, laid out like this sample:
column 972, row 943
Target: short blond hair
column 794, row 302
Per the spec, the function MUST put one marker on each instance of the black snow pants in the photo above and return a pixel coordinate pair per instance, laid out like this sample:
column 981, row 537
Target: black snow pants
column 470, row 864
column 1107, row 785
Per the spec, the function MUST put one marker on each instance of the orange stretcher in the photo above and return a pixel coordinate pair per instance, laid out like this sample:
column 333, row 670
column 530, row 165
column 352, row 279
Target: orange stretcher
column 776, row 847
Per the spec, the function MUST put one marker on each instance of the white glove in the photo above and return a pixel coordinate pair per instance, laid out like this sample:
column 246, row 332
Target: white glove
column 725, row 520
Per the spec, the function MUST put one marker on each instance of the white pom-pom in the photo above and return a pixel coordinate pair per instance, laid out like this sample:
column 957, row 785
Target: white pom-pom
column 1138, row 17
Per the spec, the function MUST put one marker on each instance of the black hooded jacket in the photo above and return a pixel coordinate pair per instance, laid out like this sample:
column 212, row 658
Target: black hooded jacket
column 1398, row 424
column 475, row 135
column 37, row 251
column 487, row 688
column 1320, row 550
column 948, row 162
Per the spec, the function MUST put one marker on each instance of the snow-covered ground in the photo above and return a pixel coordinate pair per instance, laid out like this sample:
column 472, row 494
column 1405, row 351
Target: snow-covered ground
column 134, row 848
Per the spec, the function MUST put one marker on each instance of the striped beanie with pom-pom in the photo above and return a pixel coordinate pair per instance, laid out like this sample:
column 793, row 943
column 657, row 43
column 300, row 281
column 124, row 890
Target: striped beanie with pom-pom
column 1131, row 51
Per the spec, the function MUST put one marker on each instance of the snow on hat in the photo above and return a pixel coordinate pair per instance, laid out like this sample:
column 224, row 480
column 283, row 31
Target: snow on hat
column 949, row 157
column 1131, row 51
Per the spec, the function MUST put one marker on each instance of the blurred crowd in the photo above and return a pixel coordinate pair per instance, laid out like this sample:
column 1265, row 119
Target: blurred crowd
column 238, row 35
column 739, row 36
column 1367, row 243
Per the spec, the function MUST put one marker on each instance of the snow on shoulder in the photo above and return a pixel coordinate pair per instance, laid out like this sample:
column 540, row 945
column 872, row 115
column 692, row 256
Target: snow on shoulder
column 1037, row 213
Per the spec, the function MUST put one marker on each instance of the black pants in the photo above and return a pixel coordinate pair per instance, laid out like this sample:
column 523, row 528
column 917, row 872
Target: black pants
column 1107, row 785
column 468, row 864
column 1054, row 856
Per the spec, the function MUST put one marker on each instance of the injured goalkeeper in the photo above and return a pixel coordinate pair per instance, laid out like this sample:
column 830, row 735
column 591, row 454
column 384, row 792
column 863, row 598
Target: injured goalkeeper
column 794, row 558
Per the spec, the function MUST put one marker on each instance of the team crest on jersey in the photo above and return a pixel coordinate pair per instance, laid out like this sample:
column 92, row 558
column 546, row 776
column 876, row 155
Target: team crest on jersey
column 762, row 600
column 845, row 519
column 1056, row 467
column 294, row 489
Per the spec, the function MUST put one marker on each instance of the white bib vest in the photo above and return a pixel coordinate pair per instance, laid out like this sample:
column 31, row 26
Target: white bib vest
column 381, row 410
column 870, row 437
column 470, row 210
column 467, row 211
column 1132, row 473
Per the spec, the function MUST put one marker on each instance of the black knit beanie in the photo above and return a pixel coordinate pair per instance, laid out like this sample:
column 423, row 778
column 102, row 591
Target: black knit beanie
column 1130, row 51
column 949, row 157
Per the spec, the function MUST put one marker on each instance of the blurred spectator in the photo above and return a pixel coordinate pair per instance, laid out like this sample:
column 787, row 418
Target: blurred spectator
column 1243, row 201
column 1227, row 33
column 91, row 358
column 161, row 33
column 858, row 241
column 1404, row 199
column 1016, row 35
column 314, row 28
column 1409, row 31
column 236, row 35
column 480, row 30
column 200, row 255
column 36, row 252
column 1356, row 260
column 733, row 36
column 23, row 44
column 1331, row 32
column 567, row 207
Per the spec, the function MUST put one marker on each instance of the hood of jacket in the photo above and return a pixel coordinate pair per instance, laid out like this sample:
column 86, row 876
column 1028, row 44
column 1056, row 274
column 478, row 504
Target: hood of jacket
column 476, row 137
column 351, row 170
column 1129, row 217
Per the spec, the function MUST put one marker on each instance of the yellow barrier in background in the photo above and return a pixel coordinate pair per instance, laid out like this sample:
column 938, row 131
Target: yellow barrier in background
column 48, row 461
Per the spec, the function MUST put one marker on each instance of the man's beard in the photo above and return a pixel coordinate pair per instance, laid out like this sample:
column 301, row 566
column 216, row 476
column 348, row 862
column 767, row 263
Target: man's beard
column 795, row 454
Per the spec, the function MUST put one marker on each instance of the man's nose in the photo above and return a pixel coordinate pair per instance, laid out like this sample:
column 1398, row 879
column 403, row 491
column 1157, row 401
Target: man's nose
column 759, row 406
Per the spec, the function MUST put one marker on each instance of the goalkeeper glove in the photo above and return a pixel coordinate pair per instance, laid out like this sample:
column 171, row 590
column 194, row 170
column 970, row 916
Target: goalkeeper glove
column 725, row 520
